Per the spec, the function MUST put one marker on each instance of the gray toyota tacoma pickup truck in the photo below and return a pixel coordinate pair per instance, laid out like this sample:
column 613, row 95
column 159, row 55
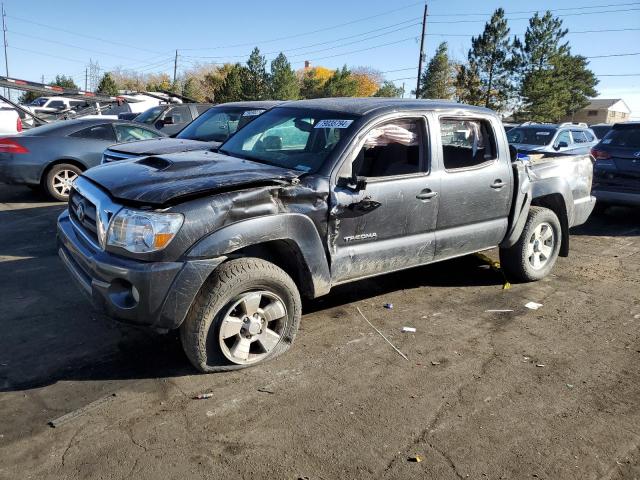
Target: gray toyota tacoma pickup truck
column 310, row 195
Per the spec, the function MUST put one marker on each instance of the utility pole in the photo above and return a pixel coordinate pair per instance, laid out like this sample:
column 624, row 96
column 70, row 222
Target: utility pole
column 86, row 78
column 42, row 78
column 421, row 58
column 175, row 68
column 4, row 36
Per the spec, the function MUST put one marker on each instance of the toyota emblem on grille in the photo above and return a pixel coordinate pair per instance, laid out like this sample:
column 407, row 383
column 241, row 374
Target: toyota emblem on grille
column 80, row 212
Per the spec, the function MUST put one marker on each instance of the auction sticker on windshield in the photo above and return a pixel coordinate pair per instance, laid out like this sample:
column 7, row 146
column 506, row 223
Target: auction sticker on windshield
column 333, row 124
column 252, row 113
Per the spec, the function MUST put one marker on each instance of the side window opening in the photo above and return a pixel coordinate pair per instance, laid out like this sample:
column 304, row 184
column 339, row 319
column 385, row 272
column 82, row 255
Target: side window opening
column 579, row 136
column 466, row 143
column 97, row 132
column 564, row 136
column 393, row 148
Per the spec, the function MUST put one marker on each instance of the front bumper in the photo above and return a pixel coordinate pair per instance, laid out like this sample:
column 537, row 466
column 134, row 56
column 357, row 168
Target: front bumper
column 155, row 294
column 617, row 198
column 582, row 209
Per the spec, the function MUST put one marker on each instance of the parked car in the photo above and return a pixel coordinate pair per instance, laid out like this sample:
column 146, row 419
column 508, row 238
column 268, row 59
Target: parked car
column 616, row 176
column 310, row 195
column 601, row 129
column 508, row 126
column 53, row 155
column 206, row 132
column 10, row 121
column 171, row 119
column 569, row 138
column 53, row 105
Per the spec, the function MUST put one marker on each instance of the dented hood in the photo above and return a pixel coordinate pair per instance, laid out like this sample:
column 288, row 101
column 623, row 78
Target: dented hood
column 162, row 145
column 159, row 180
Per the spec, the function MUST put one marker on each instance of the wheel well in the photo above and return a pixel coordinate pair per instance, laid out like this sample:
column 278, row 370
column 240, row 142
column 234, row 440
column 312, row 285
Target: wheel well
column 69, row 161
column 285, row 254
column 555, row 203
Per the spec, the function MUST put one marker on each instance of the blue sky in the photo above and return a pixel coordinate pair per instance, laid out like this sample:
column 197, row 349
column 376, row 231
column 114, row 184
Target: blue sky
column 47, row 40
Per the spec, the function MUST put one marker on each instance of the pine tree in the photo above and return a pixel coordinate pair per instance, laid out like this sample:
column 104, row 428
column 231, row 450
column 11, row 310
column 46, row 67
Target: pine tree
column 231, row 89
column 107, row 85
column 554, row 83
column 468, row 86
column 388, row 89
column 542, row 41
column 341, row 84
column 255, row 81
column 436, row 80
column 283, row 81
column 493, row 55
column 64, row 82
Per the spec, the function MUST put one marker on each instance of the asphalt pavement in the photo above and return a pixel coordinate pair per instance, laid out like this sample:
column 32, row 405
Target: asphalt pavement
column 552, row 393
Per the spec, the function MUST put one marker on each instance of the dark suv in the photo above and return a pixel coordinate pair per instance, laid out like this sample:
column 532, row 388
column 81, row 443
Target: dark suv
column 616, row 174
column 170, row 119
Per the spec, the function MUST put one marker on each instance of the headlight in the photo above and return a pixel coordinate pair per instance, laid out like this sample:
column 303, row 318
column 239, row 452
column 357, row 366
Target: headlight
column 140, row 232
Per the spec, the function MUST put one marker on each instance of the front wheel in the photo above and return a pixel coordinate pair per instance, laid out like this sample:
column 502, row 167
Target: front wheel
column 247, row 312
column 536, row 252
column 58, row 180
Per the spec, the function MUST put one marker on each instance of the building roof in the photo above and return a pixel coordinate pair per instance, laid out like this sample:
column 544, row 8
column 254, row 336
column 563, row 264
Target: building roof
column 607, row 104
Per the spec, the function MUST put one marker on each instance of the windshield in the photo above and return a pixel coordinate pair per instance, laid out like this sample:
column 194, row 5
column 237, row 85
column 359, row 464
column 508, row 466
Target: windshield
column 623, row 136
column 290, row 138
column 38, row 102
column 219, row 123
column 149, row 116
column 531, row 135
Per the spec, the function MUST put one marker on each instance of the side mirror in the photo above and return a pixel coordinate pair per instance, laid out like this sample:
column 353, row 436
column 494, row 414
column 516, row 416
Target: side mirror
column 168, row 120
column 357, row 183
column 561, row 145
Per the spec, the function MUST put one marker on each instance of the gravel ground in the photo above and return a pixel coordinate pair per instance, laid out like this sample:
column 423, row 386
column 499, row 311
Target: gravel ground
column 548, row 394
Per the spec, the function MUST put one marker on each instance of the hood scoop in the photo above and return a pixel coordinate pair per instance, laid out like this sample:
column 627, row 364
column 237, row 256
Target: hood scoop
column 158, row 163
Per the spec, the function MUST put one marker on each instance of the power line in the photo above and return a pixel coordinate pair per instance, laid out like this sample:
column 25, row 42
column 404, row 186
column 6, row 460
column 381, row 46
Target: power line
column 615, row 55
column 327, row 42
column 310, row 32
column 71, row 45
column 534, row 11
column 364, row 49
column 128, row 45
column 527, row 18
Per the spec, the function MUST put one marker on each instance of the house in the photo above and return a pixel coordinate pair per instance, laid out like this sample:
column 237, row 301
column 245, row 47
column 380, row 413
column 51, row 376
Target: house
column 602, row 110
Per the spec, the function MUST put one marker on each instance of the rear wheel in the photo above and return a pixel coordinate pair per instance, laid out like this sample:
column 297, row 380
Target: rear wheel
column 58, row 180
column 536, row 252
column 247, row 312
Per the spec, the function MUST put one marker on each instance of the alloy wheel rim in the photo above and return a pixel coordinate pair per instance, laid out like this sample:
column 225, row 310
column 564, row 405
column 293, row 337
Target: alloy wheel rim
column 540, row 246
column 63, row 180
column 252, row 327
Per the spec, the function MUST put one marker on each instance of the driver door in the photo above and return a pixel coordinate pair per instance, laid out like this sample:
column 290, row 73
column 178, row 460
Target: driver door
column 389, row 224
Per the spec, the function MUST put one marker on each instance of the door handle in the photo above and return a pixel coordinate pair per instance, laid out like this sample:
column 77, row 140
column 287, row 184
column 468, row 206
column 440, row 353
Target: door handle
column 498, row 184
column 426, row 194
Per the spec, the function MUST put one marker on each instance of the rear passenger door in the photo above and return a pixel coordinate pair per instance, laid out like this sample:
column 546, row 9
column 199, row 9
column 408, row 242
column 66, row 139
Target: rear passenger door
column 389, row 224
column 476, row 186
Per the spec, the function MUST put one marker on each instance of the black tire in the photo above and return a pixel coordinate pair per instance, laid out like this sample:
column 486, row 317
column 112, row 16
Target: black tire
column 516, row 261
column 51, row 182
column 200, row 332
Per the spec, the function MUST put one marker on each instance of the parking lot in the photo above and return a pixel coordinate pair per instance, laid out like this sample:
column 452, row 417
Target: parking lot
column 550, row 393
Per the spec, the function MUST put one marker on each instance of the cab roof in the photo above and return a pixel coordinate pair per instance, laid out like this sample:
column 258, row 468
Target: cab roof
column 365, row 106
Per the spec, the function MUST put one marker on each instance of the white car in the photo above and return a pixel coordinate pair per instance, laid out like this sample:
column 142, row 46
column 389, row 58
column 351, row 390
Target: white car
column 10, row 121
column 51, row 105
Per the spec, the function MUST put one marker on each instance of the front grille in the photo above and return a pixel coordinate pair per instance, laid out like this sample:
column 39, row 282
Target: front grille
column 84, row 215
column 109, row 156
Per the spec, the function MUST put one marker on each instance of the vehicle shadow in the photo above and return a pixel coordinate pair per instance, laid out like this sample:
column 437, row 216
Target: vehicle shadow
column 614, row 221
column 23, row 196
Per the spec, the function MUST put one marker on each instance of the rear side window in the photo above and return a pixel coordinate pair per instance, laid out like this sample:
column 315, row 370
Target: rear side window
column 180, row 114
column 202, row 108
column 579, row 136
column 131, row 133
column 466, row 143
column 56, row 104
column 623, row 136
column 391, row 149
column 97, row 132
